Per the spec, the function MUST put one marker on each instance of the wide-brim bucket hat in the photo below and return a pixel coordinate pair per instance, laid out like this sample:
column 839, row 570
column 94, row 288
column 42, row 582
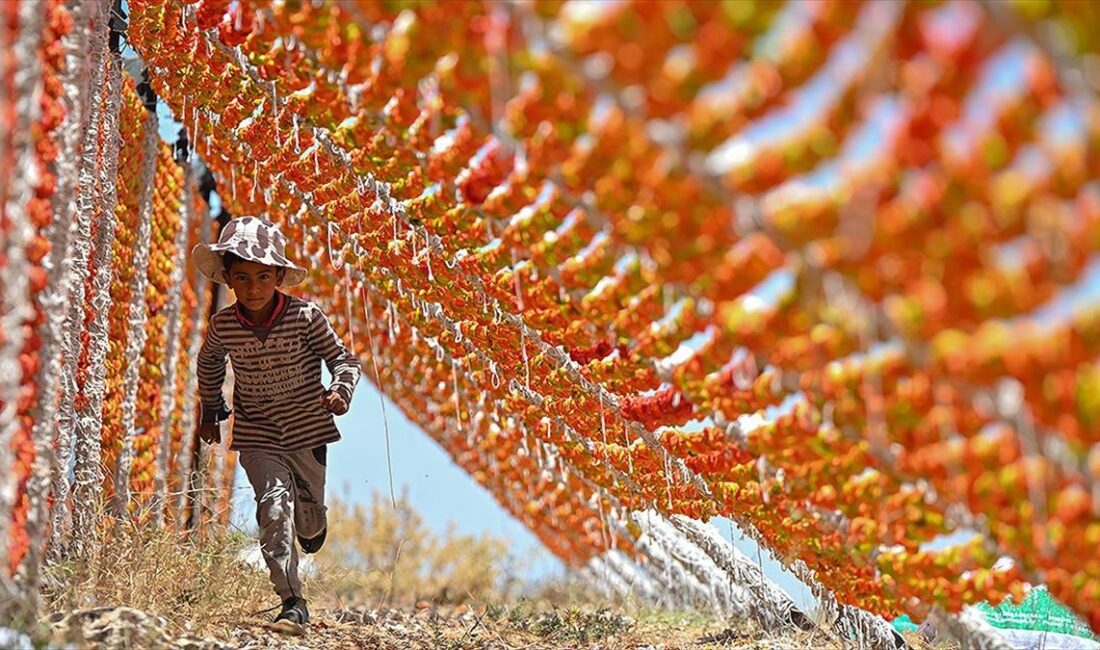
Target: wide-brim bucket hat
column 249, row 238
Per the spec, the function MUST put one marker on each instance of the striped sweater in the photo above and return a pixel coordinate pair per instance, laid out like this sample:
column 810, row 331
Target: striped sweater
column 277, row 377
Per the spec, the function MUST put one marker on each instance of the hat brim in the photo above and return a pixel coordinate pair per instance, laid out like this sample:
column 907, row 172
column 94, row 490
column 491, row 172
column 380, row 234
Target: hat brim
column 207, row 258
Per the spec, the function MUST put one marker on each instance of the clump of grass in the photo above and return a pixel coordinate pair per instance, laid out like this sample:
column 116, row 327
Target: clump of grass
column 577, row 625
column 569, row 590
column 197, row 582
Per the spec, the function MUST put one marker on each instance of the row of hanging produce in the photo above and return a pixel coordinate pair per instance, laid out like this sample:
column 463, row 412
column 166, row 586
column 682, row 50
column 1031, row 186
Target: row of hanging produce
column 101, row 314
column 826, row 269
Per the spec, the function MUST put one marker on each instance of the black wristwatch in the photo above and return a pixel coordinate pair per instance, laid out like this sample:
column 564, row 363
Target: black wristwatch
column 221, row 415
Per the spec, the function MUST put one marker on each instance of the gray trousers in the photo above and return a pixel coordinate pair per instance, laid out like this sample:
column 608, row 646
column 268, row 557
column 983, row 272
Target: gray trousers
column 290, row 501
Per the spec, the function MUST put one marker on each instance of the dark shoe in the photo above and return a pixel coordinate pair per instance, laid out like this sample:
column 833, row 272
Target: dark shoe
column 293, row 617
column 313, row 544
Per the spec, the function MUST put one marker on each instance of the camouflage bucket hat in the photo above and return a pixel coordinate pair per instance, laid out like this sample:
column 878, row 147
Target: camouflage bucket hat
column 250, row 238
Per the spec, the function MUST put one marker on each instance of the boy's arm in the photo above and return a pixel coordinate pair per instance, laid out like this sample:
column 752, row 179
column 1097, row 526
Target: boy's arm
column 211, row 371
column 342, row 364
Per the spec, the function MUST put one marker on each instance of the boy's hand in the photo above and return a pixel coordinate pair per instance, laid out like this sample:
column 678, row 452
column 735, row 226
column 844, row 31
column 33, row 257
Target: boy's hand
column 334, row 402
column 210, row 433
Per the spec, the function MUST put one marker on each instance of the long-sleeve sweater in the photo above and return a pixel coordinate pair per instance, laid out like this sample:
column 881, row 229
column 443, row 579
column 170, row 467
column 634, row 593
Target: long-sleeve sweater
column 277, row 376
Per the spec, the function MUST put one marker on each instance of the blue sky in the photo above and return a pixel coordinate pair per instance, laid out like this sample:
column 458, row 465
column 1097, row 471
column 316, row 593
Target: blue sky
column 439, row 490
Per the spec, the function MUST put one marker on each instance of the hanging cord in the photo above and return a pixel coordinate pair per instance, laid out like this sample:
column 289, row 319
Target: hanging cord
column 336, row 266
column 381, row 398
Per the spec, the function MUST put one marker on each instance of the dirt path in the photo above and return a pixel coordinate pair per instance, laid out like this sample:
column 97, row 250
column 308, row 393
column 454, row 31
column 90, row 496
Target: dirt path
column 424, row 628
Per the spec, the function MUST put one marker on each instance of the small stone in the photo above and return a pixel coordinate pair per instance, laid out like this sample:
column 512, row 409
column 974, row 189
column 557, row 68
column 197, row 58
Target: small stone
column 10, row 638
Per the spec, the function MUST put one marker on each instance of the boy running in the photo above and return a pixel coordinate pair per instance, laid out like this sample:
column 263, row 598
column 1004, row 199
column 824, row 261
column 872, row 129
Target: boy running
column 284, row 415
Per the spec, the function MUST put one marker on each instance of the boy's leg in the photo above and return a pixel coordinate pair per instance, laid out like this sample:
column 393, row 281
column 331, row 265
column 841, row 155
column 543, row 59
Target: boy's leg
column 309, row 477
column 273, row 482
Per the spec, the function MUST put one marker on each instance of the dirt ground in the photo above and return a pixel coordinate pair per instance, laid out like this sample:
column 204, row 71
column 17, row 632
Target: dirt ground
column 426, row 628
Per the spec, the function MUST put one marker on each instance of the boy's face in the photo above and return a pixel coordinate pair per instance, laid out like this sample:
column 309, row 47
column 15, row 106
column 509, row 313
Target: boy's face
column 254, row 284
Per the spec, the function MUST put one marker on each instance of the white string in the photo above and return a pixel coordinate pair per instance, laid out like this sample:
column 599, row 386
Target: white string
column 494, row 378
column 275, row 114
column 332, row 258
column 368, row 310
column 458, row 403
column 603, row 430
column 171, row 334
column 185, row 463
column 348, row 300
column 138, row 316
column 194, row 133
column 526, row 363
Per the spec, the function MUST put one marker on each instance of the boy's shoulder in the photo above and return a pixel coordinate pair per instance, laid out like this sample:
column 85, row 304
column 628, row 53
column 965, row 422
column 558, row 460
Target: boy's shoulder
column 223, row 315
column 302, row 309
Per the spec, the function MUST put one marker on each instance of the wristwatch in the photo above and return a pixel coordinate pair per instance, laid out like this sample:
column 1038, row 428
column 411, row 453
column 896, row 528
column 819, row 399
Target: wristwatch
column 220, row 415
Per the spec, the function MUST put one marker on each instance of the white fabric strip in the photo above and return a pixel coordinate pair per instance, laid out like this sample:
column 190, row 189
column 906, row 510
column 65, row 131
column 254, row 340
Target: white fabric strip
column 726, row 595
column 970, row 629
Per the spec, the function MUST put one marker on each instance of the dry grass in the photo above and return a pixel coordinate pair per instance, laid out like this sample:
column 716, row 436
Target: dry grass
column 383, row 580
column 377, row 555
column 197, row 582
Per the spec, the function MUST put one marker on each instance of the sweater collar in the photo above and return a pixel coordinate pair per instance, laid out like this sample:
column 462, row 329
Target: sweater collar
column 280, row 305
